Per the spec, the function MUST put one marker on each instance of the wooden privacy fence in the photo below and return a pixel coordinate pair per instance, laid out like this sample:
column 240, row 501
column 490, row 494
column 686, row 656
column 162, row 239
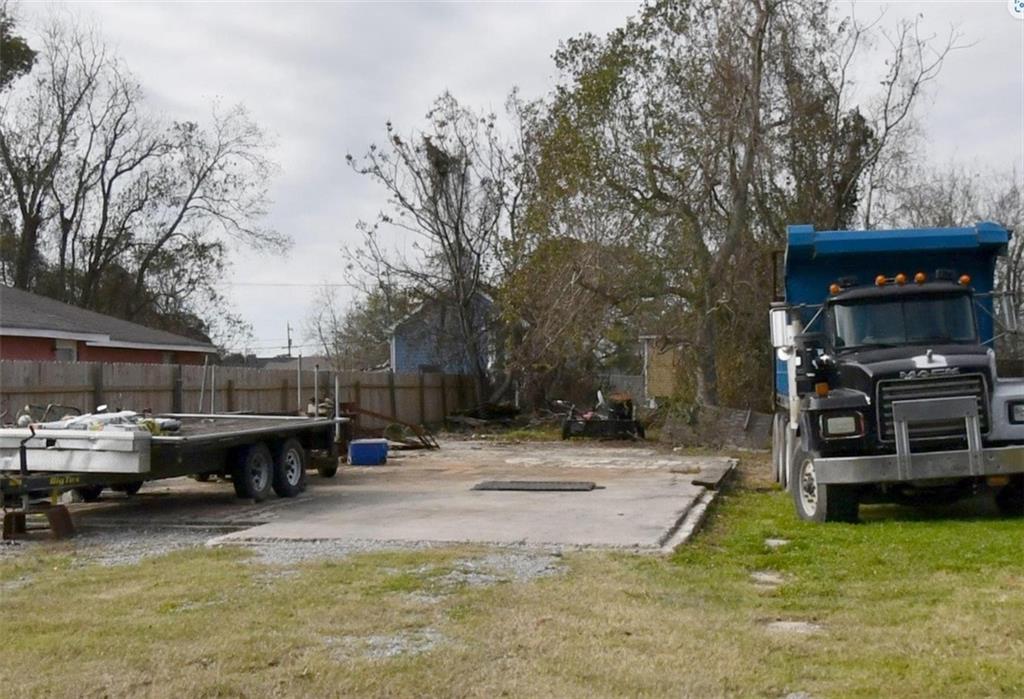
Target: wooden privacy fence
column 164, row 388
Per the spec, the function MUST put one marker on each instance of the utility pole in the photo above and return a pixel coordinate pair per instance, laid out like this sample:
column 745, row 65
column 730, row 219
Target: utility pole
column 289, row 327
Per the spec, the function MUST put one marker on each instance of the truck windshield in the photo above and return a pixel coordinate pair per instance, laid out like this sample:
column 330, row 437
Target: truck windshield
column 905, row 321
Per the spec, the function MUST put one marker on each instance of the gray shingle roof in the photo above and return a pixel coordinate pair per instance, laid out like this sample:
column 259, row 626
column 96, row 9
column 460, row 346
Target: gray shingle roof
column 27, row 311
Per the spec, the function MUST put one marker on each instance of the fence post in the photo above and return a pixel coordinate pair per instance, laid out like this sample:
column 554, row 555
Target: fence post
column 177, row 391
column 357, row 396
column 230, row 395
column 391, row 393
column 444, row 398
column 97, row 385
column 460, row 382
column 423, row 401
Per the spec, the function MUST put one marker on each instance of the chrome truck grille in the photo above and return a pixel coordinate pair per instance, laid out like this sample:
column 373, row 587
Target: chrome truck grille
column 938, row 387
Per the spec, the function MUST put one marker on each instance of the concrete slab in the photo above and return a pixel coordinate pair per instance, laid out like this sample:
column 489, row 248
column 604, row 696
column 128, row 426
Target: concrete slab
column 429, row 497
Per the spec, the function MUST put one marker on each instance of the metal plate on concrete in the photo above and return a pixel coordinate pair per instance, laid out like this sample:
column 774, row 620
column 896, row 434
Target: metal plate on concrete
column 540, row 486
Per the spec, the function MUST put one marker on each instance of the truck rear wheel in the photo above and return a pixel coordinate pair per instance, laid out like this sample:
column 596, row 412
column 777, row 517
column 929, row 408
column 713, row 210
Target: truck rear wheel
column 1010, row 498
column 820, row 502
column 253, row 473
column 290, row 469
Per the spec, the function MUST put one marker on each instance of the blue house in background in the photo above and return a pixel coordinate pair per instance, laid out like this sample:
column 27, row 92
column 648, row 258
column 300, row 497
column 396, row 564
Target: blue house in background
column 429, row 338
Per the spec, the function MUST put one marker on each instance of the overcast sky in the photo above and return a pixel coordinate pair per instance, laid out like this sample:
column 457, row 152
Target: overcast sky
column 323, row 78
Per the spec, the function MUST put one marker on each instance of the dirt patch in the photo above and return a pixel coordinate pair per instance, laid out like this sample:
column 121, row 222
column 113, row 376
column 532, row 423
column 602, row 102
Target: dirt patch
column 383, row 647
column 276, row 552
column 505, row 566
column 794, row 628
column 767, row 578
column 112, row 546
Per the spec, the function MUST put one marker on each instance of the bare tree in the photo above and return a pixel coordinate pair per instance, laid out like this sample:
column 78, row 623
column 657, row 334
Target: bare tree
column 356, row 337
column 448, row 198
column 116, row 210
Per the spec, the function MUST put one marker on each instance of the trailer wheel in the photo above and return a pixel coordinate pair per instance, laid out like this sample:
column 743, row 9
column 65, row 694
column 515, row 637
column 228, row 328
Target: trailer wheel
column 1010, row 498
column 290, row 469
column 128, row 488
column 89, row 493
column 253, row 473
column 818, row 502
column 327, row 471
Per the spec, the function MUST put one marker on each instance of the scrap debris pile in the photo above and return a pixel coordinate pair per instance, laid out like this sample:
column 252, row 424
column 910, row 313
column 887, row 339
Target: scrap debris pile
column 94, row 422
column 613, row 417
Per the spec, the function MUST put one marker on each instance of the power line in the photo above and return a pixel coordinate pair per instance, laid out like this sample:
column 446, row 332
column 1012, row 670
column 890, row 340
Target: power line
column 299, row 284
column 248, row 348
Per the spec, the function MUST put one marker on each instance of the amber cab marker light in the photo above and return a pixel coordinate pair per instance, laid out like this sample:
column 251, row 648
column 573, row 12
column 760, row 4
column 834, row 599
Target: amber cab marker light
column 965, row 279
column 834, row 289
column 901, row 279
column 821, row 388
column 880, row 280
column 920, row 278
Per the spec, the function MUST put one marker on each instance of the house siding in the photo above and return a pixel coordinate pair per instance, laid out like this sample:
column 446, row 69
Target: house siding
column 661, row 370
column 43, row 349
column 35, row 348
column 417, row 346
column 127, row 355
column 429, row 339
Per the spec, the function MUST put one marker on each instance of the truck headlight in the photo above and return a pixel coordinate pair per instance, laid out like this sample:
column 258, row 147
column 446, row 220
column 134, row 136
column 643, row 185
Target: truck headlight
column 848, row 425
column 1017, row 412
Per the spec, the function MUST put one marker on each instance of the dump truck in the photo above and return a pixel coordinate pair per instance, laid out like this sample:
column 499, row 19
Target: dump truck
column 886, row 387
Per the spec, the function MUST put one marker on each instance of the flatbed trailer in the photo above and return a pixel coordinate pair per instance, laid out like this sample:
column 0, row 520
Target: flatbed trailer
column 259, row 453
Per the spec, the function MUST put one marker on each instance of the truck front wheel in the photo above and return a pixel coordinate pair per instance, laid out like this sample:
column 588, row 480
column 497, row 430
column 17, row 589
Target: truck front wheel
column 1010, row 499
column 818, row 502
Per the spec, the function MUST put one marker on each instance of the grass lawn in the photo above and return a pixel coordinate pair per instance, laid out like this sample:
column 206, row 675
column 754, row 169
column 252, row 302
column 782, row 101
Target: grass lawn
column 905, row 605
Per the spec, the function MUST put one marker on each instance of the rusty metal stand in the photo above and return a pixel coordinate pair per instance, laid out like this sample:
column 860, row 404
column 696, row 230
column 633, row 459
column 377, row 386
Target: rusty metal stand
column 58, row 522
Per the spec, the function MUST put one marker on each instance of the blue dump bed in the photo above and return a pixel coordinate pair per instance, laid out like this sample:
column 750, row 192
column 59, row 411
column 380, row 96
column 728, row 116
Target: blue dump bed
column 817, row 259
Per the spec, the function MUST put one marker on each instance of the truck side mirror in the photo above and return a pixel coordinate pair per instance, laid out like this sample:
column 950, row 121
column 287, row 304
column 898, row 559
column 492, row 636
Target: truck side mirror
column 781, row 336
column 809, row 341
column 1007, row 310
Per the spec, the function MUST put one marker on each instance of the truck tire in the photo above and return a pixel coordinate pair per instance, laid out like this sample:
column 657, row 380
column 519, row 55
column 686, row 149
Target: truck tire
column 129, row 488
column 327, row 471
column 1010, row 498
column 818, row 502
column 253, row 473
column 290, row 469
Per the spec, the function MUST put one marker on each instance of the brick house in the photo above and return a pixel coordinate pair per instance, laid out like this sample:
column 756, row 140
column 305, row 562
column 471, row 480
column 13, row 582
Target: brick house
column 35, row 327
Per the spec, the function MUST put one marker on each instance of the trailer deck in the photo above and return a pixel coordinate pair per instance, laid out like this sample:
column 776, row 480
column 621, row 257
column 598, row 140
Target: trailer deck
column 259, row 453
